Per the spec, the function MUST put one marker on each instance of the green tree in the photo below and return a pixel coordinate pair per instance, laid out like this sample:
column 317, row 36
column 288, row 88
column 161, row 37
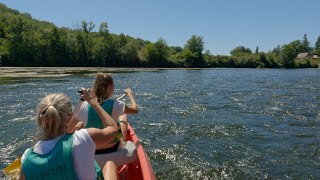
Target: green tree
column 157, row 53
column 19, row 29
column 317, row 44
column 177, row 49
column 207, row 56
column 257, row 50
column 4, row 50
column 306, row 44
column 102, row 46
column 193, row 52
column 277, row 50
column 289, row 53
column 85, row 44
column 57, row 50
column 240, row 51
column 273, row 60
column 122, row 40
column 115, row 45
column 104, row 29
column 129, row 54
column 263, row 59
column 87, row 27
column 2, row 30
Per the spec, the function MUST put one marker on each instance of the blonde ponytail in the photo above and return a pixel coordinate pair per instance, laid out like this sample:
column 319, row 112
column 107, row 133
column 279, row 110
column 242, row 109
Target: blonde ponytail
column 53, row 114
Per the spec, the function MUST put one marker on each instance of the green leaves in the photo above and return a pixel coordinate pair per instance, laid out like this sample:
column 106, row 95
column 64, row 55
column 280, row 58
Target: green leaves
column 193, row 52
column 317, row 44
column 240, row 51
column 305, row 44
column 156, row 53
column 289, row 52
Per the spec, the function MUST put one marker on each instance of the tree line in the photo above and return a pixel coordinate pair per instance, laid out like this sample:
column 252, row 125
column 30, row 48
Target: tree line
column 25, row 41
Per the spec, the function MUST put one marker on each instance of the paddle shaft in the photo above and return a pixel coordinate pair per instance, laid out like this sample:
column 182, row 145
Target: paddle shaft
column 119, row 98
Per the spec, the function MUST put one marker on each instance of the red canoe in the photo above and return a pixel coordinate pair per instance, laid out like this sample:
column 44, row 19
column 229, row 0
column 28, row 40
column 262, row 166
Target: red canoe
column 141, row 169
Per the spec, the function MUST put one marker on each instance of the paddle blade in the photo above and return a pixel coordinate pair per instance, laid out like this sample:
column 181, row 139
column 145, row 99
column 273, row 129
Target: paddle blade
column 13, row 170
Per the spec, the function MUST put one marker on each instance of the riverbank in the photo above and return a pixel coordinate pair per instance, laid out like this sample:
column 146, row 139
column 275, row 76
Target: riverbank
column 44, row 72
column 25, row 72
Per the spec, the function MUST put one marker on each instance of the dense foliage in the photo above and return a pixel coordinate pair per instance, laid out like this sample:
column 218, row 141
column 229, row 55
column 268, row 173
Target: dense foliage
column 25, row 41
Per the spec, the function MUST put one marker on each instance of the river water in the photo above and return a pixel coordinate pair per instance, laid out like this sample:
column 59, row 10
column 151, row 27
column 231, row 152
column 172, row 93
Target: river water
column 197, row 124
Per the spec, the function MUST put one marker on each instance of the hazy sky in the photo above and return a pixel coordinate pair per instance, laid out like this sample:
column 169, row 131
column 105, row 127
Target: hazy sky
column 223, row 24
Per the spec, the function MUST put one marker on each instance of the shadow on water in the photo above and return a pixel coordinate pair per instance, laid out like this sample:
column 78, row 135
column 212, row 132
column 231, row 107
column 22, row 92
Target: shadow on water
column 15, row 80
column 20, row 80
column 6, row 80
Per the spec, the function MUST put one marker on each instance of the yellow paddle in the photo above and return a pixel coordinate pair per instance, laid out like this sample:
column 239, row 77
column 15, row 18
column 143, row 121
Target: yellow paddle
column 13, row 170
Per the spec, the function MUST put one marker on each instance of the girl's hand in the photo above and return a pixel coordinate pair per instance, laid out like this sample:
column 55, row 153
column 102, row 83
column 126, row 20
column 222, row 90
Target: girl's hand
column 88, row 95
column 128, row 92
column 133, row 108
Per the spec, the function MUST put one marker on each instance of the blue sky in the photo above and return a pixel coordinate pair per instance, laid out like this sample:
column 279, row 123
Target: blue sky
column 223, row 24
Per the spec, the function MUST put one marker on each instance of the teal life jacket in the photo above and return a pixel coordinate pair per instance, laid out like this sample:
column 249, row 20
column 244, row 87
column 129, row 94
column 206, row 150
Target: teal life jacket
column 94, row 120
column 57, row 164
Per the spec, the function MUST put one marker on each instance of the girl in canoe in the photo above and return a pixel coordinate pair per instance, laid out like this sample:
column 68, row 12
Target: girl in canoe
column 103, row 89
column 59, row 155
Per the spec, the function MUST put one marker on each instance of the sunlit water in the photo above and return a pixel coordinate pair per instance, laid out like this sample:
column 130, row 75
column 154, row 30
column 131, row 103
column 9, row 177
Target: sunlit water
column 197, row 124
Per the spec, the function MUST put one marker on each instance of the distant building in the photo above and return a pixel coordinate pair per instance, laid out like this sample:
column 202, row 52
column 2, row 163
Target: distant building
column 307, row 55
column 302, row 55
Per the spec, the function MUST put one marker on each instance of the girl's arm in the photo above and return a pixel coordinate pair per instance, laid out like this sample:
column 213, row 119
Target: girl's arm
column 75, row 124
column 101, row 136
column 133, row 108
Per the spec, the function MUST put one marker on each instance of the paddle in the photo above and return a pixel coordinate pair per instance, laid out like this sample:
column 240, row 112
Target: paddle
column 13, row 170
column 119, row 98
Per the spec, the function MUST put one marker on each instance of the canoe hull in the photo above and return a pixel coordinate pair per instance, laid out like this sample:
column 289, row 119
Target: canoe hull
column 140, row 169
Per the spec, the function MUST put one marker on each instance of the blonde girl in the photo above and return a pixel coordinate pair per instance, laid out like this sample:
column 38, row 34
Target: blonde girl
column 59, row 155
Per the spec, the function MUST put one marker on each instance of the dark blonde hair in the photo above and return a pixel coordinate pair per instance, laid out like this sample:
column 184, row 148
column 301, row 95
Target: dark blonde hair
column 100, row 86
column 53, row 115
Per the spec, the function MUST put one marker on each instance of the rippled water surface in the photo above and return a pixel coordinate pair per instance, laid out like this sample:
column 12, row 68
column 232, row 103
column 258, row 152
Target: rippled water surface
column 197, row 124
